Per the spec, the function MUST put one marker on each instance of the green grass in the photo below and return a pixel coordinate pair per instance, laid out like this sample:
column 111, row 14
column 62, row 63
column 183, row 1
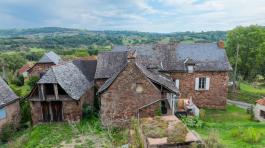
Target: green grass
column 248, row 93
column 53, row 134
column 224, row 122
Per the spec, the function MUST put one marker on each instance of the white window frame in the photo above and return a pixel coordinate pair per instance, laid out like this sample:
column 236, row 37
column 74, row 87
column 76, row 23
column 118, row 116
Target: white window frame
column 202, row 83
column 190, row 69
column 177, row 83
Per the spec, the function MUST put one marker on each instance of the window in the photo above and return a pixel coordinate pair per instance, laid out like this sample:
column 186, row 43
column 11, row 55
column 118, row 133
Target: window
column 262, row 114
column 139, row 88
column 190, row 69
column 177, row 83
column 2, row 113
column 202, row 83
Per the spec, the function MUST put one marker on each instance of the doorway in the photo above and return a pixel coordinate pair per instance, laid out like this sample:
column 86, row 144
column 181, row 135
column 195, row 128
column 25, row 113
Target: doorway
column 52, row 111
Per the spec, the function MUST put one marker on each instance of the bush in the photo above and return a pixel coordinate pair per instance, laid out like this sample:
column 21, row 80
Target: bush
column 8, row 130
column 202, row 114
column 212, row 140
column 18, row 81
column 87, row 110
column 193, row 122
column 25, row 112
column 32, row 81
column 251, row 135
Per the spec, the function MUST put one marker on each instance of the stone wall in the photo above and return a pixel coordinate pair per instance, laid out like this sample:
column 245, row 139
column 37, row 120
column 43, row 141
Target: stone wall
column 215, row 97
column 39, row 68
column 257, row 110
column 36, row 112
column 12, row 114
column 120, row 102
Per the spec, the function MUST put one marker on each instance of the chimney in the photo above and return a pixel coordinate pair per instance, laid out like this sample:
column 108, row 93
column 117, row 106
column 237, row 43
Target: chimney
column 131, row 55
column 221, row 44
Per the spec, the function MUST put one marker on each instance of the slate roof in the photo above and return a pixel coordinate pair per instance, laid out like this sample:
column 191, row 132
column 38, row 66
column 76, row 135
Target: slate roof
column 6, row 94
column 205, row 56
column 110, row 63
column 50, row 57
column 154, row 77
column 87, row 67
column 69, row 77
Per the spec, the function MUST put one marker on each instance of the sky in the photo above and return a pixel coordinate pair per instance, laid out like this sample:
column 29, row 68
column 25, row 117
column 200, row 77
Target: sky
column 136, row 15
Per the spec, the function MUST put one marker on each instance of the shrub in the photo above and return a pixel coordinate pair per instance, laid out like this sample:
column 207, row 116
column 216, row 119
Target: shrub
column 8, row 130
column 193, row 122
column 18, row 81
column 212, row 140
column 25, row 112
column 202, row 114
column 32, row 81
column 87, row 110
column 251, row 135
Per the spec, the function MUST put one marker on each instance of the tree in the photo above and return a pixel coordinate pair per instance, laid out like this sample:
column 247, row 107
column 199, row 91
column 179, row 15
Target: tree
column 251, row 55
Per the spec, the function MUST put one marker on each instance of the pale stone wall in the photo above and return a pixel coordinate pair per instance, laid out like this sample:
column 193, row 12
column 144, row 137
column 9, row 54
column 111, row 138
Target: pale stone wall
column 257, row 110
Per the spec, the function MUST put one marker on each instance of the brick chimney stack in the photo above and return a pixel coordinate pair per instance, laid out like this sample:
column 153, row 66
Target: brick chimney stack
column 221, row 44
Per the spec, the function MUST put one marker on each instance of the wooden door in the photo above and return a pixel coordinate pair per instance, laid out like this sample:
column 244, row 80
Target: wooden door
column 56, row 108
column 46, row 111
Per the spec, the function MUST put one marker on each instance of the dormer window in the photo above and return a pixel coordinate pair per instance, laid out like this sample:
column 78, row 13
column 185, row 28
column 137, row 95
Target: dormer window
column 190, row 69
column 189, row 63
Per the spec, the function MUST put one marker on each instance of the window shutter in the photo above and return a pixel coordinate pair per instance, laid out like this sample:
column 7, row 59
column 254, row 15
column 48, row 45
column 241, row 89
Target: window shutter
column 177, row 83
column 207, row 83
column 196, row 83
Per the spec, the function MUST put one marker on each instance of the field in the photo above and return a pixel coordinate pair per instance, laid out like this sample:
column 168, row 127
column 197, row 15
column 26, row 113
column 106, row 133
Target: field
column 249, row 92
column 229, row 127
column 88, row 133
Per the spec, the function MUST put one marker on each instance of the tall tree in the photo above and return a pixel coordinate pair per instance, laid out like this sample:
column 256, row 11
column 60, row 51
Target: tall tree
column 251, row 56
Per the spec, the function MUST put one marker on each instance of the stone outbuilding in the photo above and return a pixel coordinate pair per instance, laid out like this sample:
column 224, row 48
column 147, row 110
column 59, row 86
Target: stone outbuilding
column 47, row 60
column 61, row 93
column 259, row 110
column 134, row 91
column 9, row 105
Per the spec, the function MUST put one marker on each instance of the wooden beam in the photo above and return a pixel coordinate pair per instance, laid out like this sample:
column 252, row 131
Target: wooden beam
column 55, row 87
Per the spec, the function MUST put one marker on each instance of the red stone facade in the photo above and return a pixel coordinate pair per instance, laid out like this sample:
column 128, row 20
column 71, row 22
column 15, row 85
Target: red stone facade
column 12, row 114
column 39, row 68
column 215, row 97
column 120, row 102
column 71, row 109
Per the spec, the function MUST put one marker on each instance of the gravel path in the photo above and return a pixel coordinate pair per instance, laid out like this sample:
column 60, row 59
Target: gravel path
column 240, row 104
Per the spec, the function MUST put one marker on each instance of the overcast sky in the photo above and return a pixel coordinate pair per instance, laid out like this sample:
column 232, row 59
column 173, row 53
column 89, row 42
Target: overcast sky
column 137, row 15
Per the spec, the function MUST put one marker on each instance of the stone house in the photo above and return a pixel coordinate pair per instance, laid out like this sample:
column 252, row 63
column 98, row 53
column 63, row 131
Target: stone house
column 199, row 70
column 259, row 110
column 48, row 60
column 61, row 93
column 9, row 105
column 24, row 70
column 133, row 90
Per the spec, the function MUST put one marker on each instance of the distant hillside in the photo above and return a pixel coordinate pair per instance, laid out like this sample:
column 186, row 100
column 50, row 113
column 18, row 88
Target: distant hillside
column 64, row 38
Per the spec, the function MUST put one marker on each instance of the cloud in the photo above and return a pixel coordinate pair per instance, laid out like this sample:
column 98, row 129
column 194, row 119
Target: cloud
column 141, row 15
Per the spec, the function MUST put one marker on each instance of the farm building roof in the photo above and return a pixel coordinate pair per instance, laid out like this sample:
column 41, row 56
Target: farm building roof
column 6, row 94
column 71, row 77
column 50, row 57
